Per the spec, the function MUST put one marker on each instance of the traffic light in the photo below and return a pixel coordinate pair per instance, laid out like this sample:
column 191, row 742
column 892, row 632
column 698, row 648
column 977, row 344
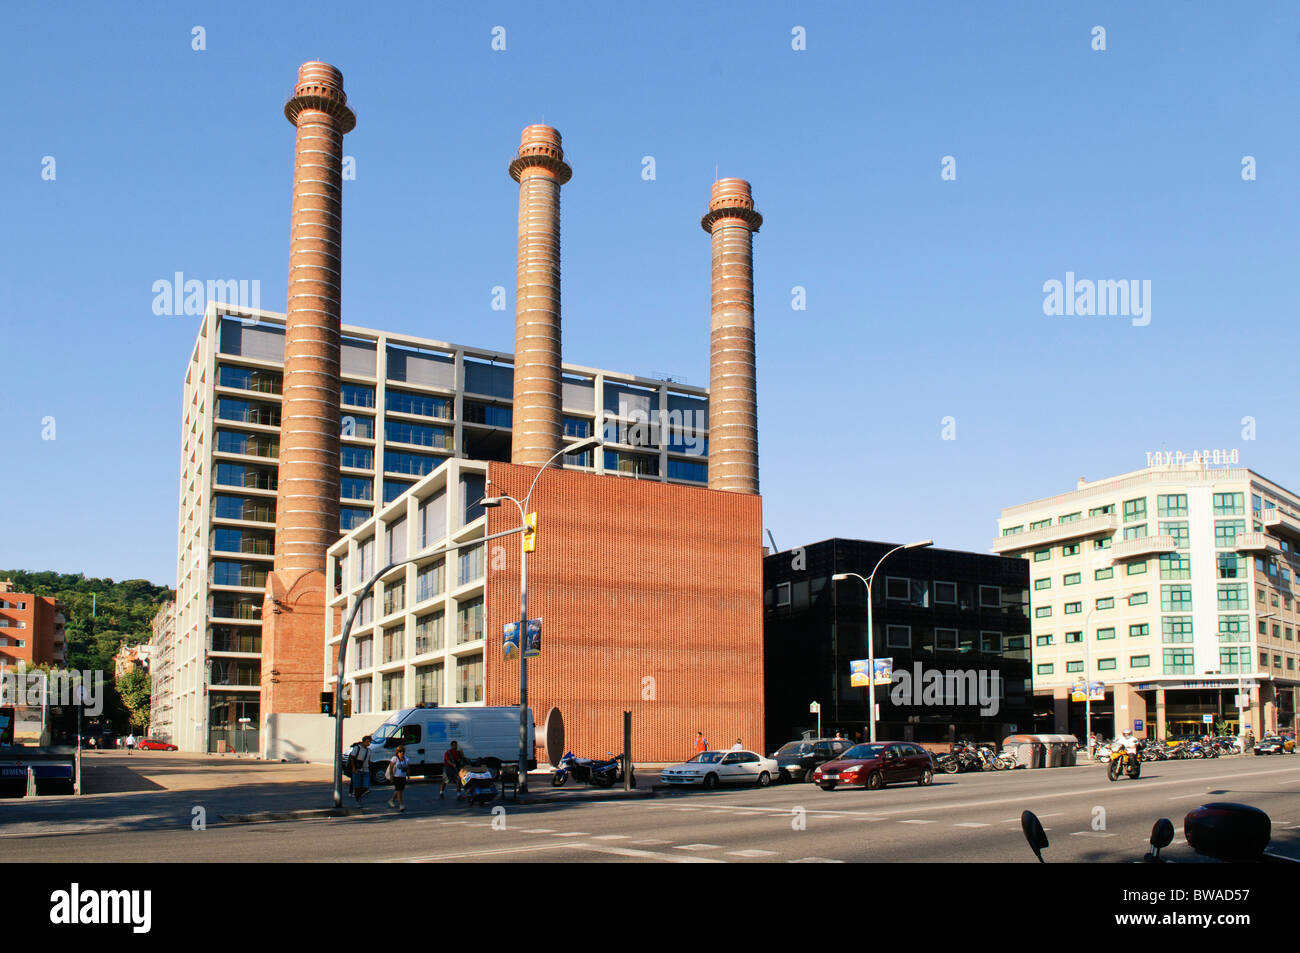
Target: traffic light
column 327, row 703
column 530, row 532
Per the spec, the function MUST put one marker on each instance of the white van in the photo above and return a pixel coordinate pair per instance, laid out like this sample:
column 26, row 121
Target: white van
column 428, row 731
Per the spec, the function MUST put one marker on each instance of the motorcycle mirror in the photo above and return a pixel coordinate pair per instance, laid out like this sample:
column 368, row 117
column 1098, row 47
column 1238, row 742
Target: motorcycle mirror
column 1229, row 832
column 1034, row 833
column 1162, row 833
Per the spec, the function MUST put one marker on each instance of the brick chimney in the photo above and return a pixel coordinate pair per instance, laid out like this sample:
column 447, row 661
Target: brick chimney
column 733, row 402
column 540, row 170
column 307, row 500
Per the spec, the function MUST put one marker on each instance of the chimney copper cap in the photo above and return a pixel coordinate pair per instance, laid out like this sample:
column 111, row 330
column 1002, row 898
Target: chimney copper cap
column 539, row 146
column 320, row 86
column 731, row 198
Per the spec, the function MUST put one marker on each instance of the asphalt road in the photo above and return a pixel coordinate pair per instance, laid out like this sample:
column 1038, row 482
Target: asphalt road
column 961, row 818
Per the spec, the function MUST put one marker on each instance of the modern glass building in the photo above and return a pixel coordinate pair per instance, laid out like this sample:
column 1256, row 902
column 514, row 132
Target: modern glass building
column 407, row 404
column 1175, row 586
column 943, row 610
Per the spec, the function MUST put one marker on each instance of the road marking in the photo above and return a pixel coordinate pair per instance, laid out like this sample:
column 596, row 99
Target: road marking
column 431, row 858
column 651, row 854
column 916, row 822
column 650, row 841
column 611, row 837
column 971, row 824
column 698, row 847
column 816, row 860
column 1057, row 814
column 572, row 834
column 1089, row 833
column 751, row 853
column 537, row 830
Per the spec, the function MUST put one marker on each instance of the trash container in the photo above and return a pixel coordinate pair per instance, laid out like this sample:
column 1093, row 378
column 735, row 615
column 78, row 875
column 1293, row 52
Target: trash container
column 1042, row 751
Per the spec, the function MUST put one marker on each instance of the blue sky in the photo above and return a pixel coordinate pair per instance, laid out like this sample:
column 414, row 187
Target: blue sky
column 924, row 296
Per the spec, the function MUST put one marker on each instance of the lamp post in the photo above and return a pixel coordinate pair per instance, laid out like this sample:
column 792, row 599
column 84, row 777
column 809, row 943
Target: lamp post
column 871, row 645
column 347, row 630
column 491, row 501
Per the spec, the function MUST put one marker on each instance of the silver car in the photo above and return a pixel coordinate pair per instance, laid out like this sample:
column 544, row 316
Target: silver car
column 709, row 769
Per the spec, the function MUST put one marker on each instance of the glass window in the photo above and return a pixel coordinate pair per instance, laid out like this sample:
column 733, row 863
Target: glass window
column 1105, row 664
column 1074, row 666
column 471, row 564
column 1103, row 542
column 412, row 464
column 1230, row 565
column 945, row 593
column 469, row 679
column 395, row 488
column 1073, row 637
column 945, row 640
column 1175, row 598
column 1073, row 608
column 1137, row 568
column 359, row 458
column 399, row 431
column 1139, row 661
column 1106, row 633
column 1234, row 628
column 1233, row 596
column 421, row 405
column 1138, row 630
column 428, row 684
column 1175, row 566
column 433, row 519
column 1044, row 639
column 1040, row 524
column 991, row 642
column 358, row 395
column 1172, row 504
column 1070, row 549
column 1135, row 510
column 1045, row 669
column 1138, row 599
column 350, row 517
column 1226, row 533
column 1107, row 573
column 990, row 597
column 1178, row 662
column 897, row 588
column 430, row 581
column 1012, row 530
column 1069, row 517
column 898, row 636
column 1042, row 612
column 469, row 620
column 1106, row 602
column 1230, row 504
column 1102, row 510
column 1178, row 530
column 1044, row 583
column 1136, row 532
column 1042, row 555
column 356, row 488
column 429, row 633
column 1072, row 578
column 1176, row 628
column 394, row 645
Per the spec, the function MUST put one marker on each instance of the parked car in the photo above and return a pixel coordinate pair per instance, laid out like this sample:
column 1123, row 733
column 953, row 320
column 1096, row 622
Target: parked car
column 712, row 768
column 875, row 765
column 153, row 744
column 1274, row 745
column 798, row 758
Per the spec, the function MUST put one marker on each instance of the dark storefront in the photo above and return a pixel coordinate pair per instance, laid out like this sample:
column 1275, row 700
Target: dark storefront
column 964, row 615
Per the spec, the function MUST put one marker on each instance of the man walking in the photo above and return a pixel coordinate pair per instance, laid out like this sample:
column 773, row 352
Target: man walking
column 359, row 759
column 701, row 743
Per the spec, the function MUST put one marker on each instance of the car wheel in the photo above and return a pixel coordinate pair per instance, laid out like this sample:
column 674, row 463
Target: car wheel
column 874, row 781
column 828, row 785
column 710, row 781
column 783, row 776
column 927, row 777
column 808, row 773
column 764, row 779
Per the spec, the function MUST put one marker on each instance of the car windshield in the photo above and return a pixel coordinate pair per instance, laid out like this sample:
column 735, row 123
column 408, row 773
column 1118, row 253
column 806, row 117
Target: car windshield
column 795, row 747
column 863, row 751
column 706, row 757
column 382, row 732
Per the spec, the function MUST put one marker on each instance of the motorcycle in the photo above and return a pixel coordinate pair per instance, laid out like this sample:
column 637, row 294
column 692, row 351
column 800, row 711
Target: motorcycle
column 601, row 774
column 1223, row 831
column 1123, row 762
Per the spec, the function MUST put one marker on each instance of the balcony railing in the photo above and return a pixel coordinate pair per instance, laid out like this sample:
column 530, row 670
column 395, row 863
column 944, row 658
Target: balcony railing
column 1100, row 525
column 1255, row 543
column 1280, row 523
column 1142, row 547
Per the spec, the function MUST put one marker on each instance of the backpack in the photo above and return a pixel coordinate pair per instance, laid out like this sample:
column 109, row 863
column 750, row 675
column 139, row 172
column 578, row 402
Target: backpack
column 388, row 772
column 352, row 760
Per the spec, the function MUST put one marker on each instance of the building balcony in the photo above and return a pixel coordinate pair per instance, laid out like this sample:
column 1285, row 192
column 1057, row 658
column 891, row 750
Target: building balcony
column 1142, row 547
column 1280, row 523
column 1101, row 525
column 1255, row 543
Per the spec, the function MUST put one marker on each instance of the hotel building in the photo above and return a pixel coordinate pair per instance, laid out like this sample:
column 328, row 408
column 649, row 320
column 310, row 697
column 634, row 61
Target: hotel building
column 407, row 404
column 1172, row 585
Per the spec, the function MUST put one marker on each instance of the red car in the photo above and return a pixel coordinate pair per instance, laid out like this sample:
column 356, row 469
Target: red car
column 153, row 744
column 876, row 764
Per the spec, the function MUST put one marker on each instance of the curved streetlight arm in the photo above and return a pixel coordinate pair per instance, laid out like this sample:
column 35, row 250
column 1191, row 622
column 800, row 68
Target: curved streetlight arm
column 347, row 630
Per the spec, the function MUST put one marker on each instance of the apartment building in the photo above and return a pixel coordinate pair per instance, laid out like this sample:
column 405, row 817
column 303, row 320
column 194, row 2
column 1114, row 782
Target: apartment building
column 32, row 628
column 1175, row 586
column 407, row 405
column 162, row 645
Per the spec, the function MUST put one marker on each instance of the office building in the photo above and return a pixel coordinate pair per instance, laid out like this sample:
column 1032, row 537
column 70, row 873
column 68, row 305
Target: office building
column 961, row 615
column 32, row 628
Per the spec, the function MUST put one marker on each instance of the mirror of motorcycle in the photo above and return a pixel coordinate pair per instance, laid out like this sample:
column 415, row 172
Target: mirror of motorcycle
column 1229, row 832
column 1162, row 835
column 1034, row 833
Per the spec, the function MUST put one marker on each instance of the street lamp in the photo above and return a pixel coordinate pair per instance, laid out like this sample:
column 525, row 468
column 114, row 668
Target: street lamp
column 871, row 645
column 492, row 501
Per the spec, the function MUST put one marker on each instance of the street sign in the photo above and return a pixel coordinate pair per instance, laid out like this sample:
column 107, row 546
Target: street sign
column 858, row 672
column 1137, row 724
column 1207, row 719
column 814, row 708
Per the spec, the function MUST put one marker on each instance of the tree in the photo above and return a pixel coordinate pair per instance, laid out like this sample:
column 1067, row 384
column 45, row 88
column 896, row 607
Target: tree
column 134, row 690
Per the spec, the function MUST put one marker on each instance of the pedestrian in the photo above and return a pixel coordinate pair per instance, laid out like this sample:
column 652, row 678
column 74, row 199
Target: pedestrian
column 701, row 743
column 738, row 746
column 857, row 736
column 452, row 761
column 130, row 742
column 839, row 736
column 359, row 763
column 396, row 773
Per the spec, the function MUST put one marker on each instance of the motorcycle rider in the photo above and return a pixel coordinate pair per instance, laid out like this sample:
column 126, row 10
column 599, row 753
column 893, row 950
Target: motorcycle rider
column 1128, row 743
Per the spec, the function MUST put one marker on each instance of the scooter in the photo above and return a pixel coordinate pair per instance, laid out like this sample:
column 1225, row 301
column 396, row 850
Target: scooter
column 1223, row 831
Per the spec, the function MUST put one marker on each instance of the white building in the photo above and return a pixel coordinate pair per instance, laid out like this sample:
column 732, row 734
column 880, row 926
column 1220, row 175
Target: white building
column 1171, row 585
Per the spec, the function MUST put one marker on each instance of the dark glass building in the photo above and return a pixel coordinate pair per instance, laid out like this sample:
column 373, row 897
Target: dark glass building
column 955, row 624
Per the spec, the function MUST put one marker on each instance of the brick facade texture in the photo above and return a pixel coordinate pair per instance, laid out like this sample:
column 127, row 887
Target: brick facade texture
column 293, row 642
column 652, row 600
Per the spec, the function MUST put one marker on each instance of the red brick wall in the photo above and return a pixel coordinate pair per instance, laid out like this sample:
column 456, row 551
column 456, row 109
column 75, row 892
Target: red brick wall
column 293, row 643
column 635, row 581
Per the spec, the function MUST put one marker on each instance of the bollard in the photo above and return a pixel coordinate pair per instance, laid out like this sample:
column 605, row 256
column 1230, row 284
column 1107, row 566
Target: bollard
column 627, row 751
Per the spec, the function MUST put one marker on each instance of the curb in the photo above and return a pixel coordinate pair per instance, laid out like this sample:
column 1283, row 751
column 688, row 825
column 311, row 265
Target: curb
column 263, row 816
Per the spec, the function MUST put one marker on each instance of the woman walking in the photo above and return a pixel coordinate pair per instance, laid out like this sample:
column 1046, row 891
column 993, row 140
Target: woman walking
column 397, row 767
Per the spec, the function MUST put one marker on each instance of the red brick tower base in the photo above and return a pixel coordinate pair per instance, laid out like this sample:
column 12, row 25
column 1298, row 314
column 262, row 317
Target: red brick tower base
column 293, row 642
